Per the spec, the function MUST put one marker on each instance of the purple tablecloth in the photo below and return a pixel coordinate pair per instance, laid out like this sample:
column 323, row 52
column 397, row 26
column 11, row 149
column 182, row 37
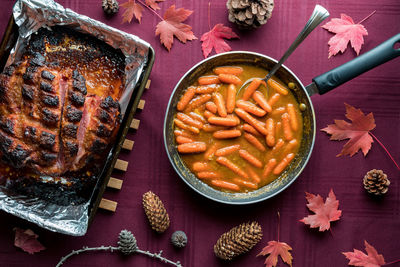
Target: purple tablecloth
column 364, row 218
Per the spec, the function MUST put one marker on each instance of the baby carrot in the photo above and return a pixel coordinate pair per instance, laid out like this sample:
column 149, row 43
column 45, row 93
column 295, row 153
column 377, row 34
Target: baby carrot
column 212, row 128
column 277, row 87
column 228, row 70
column 225, row 134
column 278, row 111
column 230, row 98
column 208, row 114
column 245, row 183
column 250, row 129
column 200, row 166
column 220, row 102
column 278, row 128
column 185, row 99
column 293, row 119
column 225, row 185
column 253, row 175
column 269, row 167
column 251, row 88
column 228, row 121
column 251, row 120
column 278, row 145
column 287, row 130
column 183, row 133
column 197, row 117
column 183, row 140
column 273, row 99
column 260, row 99
column 211, row 150
column 210, row 106
column 283, row 164
column 227, row 150
column 188, row 120
column 197, row 102
column 270, row 138
column 254, row 141
column 229, row 78
column 206, row 80
column 195, row 147
column 184, row 126
column 290, row 146
column 208, row 175
column 250, row 107
column 232, row 166
column 204, row 89
column 250, row 158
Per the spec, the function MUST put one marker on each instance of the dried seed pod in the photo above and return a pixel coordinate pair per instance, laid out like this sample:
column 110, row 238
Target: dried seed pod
column 376, row 182
column 110, row 7
column 249, row 13
column 179, row 239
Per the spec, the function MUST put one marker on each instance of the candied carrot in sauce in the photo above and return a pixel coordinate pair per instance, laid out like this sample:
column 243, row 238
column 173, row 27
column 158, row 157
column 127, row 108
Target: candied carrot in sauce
column 205, row 89
column 254, row 141
column 227, row 150
column 230, row 98
column 227, row 121
column 250, row 129
column 251, row 120
column 195, row 147
column 248, row 92
column 287, row 130
column 232, row 166
column 211, row 150
column 184, row 126
column 228, row 70
column 220, row 103
column 210, row 106
column 293, row 119
column 185, row 99
column 208, row 175
column 200, row 166
column 226, row 134
column 197, row 116
column 250, row 158
column 253, row 175
column 183, row 140
column 250, row 107
column 273, row 99
column 225, row 185
column 277, row 87
column 245, row 183
column 188, row 120
column 229, row 78
column 269, row 167
column 206, row 80
column 260, row 100
column 283, row 164
column 270, row 138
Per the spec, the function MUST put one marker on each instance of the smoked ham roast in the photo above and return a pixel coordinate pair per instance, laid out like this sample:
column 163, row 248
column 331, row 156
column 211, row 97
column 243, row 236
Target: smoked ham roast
column 59, row 111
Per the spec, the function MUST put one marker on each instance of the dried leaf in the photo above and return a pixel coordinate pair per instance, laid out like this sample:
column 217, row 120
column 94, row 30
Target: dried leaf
column 215, row 39
column 359, row 258
column 357, row 131
column 153, row 3
column 324, row 212
column 172, row 26
column 131, row 9
column 346, row 31
column 275, row 249
column 27, row 240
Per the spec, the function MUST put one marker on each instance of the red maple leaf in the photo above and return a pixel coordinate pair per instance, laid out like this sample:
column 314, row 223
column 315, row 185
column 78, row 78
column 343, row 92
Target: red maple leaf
column 153, row 3
column 324, row 212
column 172, row 26
column 346, row 31
column 27, row 240
column 275, row 249
column 359, row 258
column 357, row 131
column 215, row 39
column 131, row 9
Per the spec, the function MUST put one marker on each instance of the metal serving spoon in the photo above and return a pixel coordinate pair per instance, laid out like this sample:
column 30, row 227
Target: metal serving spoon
column 318, row 15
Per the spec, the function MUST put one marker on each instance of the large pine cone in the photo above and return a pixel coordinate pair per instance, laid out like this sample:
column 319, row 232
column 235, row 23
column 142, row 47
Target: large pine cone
column 376, row 182
column 110, row 7
column 155, row 212
column 238, row 240
column 249, row 13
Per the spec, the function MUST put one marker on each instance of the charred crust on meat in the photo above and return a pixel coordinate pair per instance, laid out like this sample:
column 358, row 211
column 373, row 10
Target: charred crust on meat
column 108, row 103
column 70, row 130
column 17, row 156
column 103, row 131
column 79, row 82
column 47, row 140
column 9, row 70
column 5, row 142
column 7, row 126
column 37, row 59
column 98, row 146
column 47, row 75
column 50, row 100
column 76, row 98
column 48, row 158
column 46, row 87
column 72, row 148
column 29, row 74
column 49, row 117
column 104, row 116
column 27, row 92
column 73, row 114
column 30, row 133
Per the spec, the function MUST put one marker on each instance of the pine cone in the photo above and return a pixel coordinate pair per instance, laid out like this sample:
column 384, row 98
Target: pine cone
column 249, row 13
column 376, row 182
column 238, row 240
column 155, row 212
column 179, row 239
column 110, row 7
column 127, row 242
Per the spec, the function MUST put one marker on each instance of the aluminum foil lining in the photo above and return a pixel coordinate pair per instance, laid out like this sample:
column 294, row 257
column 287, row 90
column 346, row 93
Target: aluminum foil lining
column 30, row 16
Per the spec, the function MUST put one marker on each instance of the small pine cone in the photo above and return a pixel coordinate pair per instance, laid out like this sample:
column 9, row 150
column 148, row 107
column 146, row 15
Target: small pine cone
column 179, row 239
column 376, row 182
column 127, row 242
column 249, row 13
column 155, row 212
column 238, row 240
column 110, row 7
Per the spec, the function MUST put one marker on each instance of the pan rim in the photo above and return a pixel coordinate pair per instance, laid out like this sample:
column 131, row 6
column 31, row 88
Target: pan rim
column 251, row 199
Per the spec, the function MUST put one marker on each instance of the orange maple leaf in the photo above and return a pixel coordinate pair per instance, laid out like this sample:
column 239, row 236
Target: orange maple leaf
column 324, row 212
column 172, row 26
column 153, row 3
column 359, row 258
column 131, row 9
column 275, row 249
column 357, row 131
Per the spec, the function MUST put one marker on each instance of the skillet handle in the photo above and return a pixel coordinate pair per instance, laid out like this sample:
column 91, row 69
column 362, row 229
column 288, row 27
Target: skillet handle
column 375, row 57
